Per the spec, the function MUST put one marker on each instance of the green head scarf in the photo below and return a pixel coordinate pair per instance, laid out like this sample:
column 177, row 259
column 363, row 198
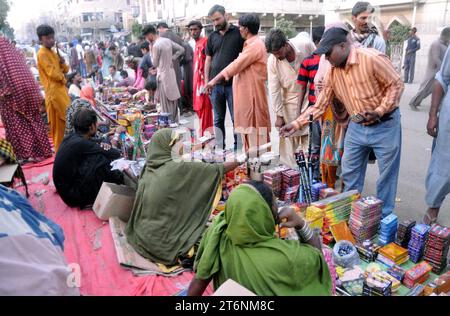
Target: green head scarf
column 240, row 245
column 173, row 202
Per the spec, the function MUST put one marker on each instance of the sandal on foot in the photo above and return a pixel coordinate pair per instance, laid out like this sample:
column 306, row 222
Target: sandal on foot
column 430, row 219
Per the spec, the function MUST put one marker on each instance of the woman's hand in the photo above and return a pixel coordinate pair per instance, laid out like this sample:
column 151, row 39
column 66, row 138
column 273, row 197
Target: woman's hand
column 292, row 219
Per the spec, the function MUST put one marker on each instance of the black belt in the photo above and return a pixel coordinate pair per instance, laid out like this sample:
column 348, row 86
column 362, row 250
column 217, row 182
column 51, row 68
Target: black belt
column 385, row 118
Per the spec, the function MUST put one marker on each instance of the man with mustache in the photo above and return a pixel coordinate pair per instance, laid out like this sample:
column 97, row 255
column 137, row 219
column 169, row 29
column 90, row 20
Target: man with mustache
column 223, row 47
column 364, row 32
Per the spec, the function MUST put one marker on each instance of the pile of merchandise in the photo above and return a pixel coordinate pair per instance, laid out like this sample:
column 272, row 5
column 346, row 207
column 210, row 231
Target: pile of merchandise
column 392, row 254
column 417, row 274
column 388, row 229
column 316, row 190
column 273, row 179
column 368, row 250
column 436, row 248
column 365, row 218
column 289, row 185
column 404, row 232
column 416, row 245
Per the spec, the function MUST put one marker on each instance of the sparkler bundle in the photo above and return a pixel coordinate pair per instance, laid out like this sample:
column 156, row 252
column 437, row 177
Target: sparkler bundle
column 305, row 178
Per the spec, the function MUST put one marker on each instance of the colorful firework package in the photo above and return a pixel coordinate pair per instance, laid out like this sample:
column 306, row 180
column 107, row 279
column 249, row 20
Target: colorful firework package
column 436, row 247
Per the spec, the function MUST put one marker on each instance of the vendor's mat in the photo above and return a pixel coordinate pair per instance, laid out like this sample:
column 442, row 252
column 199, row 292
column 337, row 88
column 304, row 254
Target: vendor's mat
column 130, row 259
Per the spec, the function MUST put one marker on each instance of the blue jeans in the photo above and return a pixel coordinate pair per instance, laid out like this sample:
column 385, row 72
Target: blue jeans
column 220, row 96
column 386, row 141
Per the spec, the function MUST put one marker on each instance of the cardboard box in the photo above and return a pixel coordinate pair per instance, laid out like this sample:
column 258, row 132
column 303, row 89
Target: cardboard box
column 114, row 201
column 7, row 173
column 232, row 288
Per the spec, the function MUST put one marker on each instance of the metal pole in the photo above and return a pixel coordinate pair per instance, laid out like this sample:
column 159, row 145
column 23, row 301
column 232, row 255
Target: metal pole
column 414, row 13
column 445, row 13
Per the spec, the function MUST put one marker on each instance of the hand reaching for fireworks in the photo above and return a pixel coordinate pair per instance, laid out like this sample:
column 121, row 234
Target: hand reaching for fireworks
column 292, row 219
column 288, row 130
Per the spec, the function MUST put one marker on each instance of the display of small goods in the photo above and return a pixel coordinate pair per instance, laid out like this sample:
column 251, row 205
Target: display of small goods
column 388, row 230
column 365, row 218
column 416, row 244
column 392, row 254
column 351, row 225
column 436, row 247
column 417, row 274
column 368, row 250
column 404, row 232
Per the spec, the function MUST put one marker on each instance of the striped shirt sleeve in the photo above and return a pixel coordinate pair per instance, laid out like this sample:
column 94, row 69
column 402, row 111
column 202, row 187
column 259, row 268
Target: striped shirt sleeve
column 385, row 72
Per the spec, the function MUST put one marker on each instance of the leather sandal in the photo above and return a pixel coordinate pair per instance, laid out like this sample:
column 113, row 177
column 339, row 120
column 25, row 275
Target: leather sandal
column 430, row 219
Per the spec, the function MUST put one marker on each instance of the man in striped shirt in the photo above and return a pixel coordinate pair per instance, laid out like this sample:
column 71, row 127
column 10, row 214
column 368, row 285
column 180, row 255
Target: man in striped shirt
column 365, row 81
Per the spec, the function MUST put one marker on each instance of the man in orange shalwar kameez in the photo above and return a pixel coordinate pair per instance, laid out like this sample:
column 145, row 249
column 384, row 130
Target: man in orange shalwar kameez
column 52, row 70
column 251, row 108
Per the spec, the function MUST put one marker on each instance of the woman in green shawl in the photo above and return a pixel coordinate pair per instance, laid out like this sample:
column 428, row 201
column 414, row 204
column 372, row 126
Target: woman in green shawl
column 173, row 202
column 240, row 245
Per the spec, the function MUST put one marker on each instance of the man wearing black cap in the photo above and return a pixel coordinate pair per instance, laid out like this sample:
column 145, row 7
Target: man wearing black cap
column 366, row 82
column 364, row 32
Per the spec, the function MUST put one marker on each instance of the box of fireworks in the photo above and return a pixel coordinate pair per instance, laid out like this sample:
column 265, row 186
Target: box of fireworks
column 164, row 120
column 368, row 250
column 442, row 283
column 114, row 201
column 314, row 217
column 315, row 190
column 327, row 192
column 232, row 288
column 417, row 274
column 374, row 285
column 7, row 173
column 394, row 253
column 404, row 232
column 341, row 231
column 416, row 290
column 353, row 287
column 327, row 239
column 397, row 272
column 152, row 118
column 382, row 259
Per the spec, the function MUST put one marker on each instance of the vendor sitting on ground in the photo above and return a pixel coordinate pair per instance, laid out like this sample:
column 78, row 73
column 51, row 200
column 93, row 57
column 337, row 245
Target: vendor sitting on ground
column 82, row 165
column 149, row 92
column 240, row 245
column 126, row 80
column 173, row 202
column 114, row 75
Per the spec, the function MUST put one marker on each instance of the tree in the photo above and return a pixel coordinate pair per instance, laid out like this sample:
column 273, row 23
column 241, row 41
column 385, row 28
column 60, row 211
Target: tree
column 398, row 32
column 136, row 29
column 4, row 9
column 5, row 28
column 287, row 27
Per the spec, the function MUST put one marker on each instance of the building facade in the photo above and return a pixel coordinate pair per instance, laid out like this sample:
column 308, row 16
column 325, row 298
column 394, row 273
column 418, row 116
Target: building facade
column 96, row 19
column 178, row 13
column 428, row 16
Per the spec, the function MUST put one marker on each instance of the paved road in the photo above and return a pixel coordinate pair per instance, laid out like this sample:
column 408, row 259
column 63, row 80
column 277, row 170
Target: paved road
column 416, row 152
